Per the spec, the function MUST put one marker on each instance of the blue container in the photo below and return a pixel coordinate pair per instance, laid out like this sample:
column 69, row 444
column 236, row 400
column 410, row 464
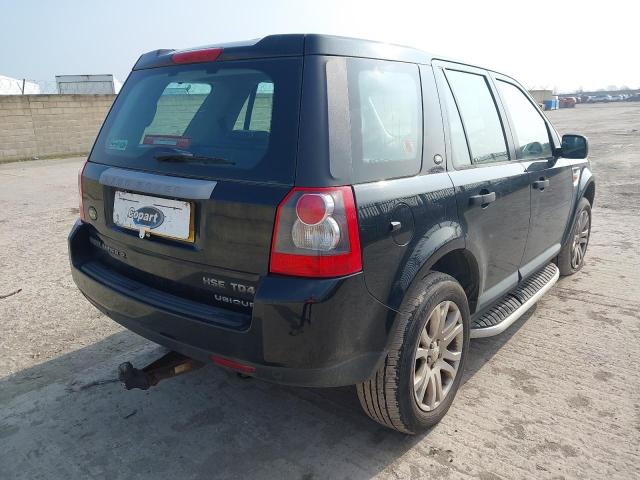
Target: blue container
column 551, row 104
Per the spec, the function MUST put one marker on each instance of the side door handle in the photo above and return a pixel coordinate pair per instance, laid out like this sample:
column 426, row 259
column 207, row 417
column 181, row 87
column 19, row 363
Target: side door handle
column 484, row 199
column 540, row 184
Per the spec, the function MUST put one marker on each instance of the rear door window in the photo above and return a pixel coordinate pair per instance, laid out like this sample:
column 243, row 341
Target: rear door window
column 226, row 120
column 480, row 117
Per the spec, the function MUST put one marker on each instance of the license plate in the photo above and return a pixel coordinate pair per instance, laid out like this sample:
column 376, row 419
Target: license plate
column 154, row 216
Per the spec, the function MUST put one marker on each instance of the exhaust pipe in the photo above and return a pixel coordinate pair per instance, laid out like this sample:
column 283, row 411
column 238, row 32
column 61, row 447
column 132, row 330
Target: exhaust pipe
column 170, row 365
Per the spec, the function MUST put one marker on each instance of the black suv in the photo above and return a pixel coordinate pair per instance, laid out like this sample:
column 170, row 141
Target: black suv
column 324, row 211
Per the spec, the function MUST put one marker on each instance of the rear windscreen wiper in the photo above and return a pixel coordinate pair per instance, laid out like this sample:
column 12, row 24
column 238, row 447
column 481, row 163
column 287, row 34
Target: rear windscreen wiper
column 188, row 157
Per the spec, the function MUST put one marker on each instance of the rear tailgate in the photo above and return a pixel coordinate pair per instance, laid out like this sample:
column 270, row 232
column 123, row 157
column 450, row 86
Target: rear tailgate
column 217, row 140
column 222, row 266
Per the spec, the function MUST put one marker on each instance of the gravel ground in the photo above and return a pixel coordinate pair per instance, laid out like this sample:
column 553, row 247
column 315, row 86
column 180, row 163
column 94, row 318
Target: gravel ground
column 556, row 396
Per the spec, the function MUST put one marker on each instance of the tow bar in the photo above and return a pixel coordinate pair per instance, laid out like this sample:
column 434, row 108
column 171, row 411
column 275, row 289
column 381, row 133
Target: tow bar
column 170, row 365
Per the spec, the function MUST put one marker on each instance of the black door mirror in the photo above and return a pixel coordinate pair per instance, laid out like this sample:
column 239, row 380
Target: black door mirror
column 574, row 146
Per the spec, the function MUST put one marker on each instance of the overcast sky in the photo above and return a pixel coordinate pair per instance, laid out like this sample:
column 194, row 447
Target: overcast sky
column 562, row 44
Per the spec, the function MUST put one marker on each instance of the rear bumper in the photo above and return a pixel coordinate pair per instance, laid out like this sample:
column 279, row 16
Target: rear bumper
column 326, row 332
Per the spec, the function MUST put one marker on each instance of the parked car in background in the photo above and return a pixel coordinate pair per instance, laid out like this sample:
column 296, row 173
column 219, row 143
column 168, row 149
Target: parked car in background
column 323, row 211
column 602, row 98
column 568, row 102
column 635, row 97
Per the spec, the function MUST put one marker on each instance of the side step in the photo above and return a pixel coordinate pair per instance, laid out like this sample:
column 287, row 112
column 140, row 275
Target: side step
column 513, row 305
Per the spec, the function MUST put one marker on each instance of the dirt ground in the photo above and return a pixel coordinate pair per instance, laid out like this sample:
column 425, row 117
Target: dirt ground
column 556, row 396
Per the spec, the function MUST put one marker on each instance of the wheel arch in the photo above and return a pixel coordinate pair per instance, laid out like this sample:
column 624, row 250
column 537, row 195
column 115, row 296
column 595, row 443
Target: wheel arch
column 586, row 189
column 590, row 192
column 463, row 266
column 455, row 260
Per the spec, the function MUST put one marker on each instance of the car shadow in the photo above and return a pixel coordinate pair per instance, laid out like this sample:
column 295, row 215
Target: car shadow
column 483, row 349
column 70, row 418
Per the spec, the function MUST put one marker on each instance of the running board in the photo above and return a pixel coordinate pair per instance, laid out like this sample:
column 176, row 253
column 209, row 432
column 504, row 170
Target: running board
column 511, row 307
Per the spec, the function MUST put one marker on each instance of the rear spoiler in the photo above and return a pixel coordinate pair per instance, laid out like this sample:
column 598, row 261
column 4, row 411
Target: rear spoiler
column 267, row 47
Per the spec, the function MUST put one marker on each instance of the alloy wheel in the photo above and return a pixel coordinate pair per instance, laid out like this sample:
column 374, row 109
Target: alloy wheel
column 580, row 240
column 438, row 355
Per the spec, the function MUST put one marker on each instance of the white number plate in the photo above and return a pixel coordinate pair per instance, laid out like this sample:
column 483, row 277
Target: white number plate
column 153, row 215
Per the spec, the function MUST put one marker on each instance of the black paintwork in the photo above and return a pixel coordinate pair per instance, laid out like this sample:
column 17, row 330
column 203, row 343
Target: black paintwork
column 491, row 226
column 317, row 333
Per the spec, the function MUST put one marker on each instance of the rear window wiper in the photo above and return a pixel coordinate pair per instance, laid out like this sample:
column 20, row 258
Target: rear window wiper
column 189, row 157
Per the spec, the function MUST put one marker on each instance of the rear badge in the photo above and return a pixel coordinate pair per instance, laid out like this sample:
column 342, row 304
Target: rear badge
column 245, row 293
column 233, row 301
column 107, row 248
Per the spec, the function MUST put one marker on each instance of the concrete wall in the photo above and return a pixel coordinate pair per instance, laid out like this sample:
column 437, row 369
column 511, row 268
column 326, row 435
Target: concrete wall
column 50, row 125
column 173, row 114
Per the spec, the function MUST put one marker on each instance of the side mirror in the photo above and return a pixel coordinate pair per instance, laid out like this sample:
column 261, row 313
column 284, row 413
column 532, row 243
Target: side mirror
column 574, row 146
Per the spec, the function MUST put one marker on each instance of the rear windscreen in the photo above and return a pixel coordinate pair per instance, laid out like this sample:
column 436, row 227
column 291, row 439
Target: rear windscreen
column 233, row 120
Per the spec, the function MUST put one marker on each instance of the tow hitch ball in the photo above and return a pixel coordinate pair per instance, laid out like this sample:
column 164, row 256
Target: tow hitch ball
column 170, row 365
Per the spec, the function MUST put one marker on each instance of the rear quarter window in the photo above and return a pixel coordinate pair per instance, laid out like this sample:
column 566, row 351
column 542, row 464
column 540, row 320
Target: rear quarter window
column 384, row 116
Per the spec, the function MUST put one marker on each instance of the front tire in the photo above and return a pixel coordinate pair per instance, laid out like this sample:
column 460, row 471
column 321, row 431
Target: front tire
column 571, row 257
column 420, row 376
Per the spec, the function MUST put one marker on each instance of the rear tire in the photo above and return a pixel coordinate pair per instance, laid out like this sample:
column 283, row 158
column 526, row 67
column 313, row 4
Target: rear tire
column 404, row 394
column 571, row 257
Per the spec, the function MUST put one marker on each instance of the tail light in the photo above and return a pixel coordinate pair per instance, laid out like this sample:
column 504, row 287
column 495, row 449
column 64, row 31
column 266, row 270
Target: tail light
column 81, row 206
column 316, row 234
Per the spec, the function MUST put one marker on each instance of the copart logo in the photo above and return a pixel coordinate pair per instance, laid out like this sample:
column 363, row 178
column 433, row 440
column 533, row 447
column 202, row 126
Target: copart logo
column 149, row 217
